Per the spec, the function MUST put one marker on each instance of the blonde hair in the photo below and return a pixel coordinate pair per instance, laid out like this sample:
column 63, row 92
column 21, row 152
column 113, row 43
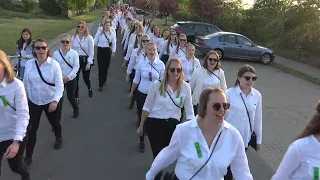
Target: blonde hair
column 66, row 36
column 141, row 46
column 164, row 83
column 8, row 71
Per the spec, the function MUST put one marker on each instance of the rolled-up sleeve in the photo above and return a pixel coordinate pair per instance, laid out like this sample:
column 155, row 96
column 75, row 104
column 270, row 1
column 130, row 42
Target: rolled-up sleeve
column 137, row 75
column 91, row 49
column 188, row 103
column 151, row 97
column 75, row 67
column 114, row 43
column 258, row 121
column 59, row 87
column 22, row 111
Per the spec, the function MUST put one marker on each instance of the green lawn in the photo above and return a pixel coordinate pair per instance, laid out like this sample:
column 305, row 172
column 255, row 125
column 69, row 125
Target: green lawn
column 42, row 27
column 161, row 24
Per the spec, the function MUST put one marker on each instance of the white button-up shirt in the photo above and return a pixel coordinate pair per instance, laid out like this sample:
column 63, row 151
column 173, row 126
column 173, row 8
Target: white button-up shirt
column 38, row 91
column 189, row 66
column 87, row 45
column 162, row 107
column 229, row 151
column 13, row 124
column 101, row 40
column 237, row 114
column 301, row 161
column 144, row 67
column 181, row 52
column 129, row 52
column 163, row 48
column 72, row 58
column 135, row 59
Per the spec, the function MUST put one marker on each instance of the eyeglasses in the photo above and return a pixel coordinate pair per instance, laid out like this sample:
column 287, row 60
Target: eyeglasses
column 212, row 59
column 145, row 41
column 217, row 106
column 254, row 78
column 139, row 35
column 183, row 40
column 175, row 69
column 150, row 76
column 80, row 27
column 65, row 42
column 40, row 47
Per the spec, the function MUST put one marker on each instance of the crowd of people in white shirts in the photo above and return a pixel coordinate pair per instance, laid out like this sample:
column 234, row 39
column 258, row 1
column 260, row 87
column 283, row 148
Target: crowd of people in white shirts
column 183, row 106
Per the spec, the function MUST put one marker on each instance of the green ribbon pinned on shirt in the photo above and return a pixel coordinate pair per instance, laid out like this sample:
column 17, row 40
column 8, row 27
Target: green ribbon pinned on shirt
column 315, row 173
column 4, row 101
column 181, row 100
column 197, row 145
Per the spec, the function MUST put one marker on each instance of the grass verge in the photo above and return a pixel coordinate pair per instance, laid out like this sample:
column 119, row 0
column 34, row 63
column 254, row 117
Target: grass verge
column 296, row 73
column 46, row 28
column 161, row 23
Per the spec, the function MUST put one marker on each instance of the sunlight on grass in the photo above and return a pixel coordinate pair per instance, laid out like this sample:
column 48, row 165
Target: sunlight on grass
column 95, row 15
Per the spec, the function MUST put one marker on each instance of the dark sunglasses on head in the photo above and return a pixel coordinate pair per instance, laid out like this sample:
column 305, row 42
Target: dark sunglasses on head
column 40, row 47
column 80, row 27
column 217, row 106
column 65, row 42
column 212, row 59
column 183, row 40
column 145, row 40
column 175, row 69
column 248, row 78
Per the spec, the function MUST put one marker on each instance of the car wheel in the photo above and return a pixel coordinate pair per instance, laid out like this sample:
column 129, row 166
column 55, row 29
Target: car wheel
column 266, row 58
column 219, row 52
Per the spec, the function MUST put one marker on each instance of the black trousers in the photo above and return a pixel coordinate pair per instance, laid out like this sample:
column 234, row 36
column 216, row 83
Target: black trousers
column 140, row 99
column 83, row 60
column 54, row 119
column 16, row 164
column 160, row 132
column 131, row 76
column 71, row 93
column 104, row 57
column 229, row 175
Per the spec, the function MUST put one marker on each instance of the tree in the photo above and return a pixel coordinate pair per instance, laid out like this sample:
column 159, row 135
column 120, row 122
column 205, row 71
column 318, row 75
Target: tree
column 208, row 10
column 168, row 7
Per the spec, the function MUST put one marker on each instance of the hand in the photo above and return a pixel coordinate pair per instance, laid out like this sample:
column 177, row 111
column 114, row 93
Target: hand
column 130, row 95
column 12, row 150
column 124, row 63
column 127, row 78
column 53, row 106
column 113, row 54
column 140, row 130
column 258, row 147
column 88, row 67
column 65, row 79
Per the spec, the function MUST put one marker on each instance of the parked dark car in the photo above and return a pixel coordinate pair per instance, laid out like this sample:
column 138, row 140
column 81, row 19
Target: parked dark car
column 193, row 29
column 232, row 45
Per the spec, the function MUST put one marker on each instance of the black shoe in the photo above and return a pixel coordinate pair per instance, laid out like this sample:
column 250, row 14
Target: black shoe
column 100, row 89
column 26, row 178
column 28, row 160
column 75, row 113
column 58, row 143
column 90, row 93
column 77, row 100
column 142, row 147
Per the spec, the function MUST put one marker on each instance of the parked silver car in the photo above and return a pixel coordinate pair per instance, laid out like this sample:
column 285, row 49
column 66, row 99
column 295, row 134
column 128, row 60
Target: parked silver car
column 232, row 45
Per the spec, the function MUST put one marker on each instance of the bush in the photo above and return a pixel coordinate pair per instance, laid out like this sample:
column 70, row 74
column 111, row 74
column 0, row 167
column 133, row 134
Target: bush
column 185, row 16
column 6, row 4
column 29, row 5
column 50, row 7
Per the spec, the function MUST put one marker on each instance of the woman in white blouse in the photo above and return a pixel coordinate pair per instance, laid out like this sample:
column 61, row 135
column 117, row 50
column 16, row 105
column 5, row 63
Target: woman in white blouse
column 156, row 36
column 180, row 49
column 14, row 113
column 132, row 36
column 24, row 50
column 164, row 36
column 106, row 42
column 189, row 62
column 245, row 113
column 148, row 70
column 168, row 46
column 83, row 43
column 209, row 75
column 69, row 63
column 131, row 47
column 302, row 159
column 205, row 146
column 44, row 87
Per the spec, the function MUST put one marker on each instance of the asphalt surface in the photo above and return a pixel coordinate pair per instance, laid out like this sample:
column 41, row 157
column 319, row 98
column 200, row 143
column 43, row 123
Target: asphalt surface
column 102, row 143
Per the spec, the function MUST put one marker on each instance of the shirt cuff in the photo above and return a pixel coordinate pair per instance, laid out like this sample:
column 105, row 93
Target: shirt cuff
column 57, row 99
column 18, row 137
column 259, row 139
column 149, row 176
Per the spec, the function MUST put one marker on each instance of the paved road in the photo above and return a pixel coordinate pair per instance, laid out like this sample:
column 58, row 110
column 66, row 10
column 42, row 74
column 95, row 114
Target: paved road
column 102, row 142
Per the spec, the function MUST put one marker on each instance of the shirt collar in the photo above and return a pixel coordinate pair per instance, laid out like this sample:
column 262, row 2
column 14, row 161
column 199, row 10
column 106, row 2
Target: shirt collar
column 238, row 91
column 49, row 61
column 156, row 60
column 194, row 123
column 4, row 83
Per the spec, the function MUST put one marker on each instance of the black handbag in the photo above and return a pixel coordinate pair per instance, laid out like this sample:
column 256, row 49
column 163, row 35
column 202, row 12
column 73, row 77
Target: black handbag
column 172, row 175
column 253, row 139
column 110, row 43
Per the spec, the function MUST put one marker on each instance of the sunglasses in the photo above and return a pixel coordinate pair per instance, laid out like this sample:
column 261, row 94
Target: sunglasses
column 217, row 106
column 139, row 35
column 175, row 69
column 150, row 76
column 213, row 59
column 248, row 78
column 145, row 41
column 173, row 34
column 40, row 47
column 183, row 40
column 80, row 27
column 65, row 42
